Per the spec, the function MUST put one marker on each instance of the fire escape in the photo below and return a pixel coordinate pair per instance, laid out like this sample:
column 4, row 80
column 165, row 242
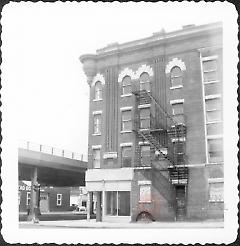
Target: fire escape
column 165, row 136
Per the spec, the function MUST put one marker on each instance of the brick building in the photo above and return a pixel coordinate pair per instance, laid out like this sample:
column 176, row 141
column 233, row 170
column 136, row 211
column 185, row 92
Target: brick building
column 155, row 126
column 52, row 199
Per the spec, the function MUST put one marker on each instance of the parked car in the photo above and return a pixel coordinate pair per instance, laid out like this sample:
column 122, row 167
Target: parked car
column 82, row 210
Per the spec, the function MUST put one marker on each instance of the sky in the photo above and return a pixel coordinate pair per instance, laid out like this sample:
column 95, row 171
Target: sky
column 43, row 81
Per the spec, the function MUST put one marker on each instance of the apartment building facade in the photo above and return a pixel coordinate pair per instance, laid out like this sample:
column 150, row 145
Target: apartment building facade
column 155, row 126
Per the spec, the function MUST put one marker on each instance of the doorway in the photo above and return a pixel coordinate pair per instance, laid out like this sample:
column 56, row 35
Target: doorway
column 180, row 202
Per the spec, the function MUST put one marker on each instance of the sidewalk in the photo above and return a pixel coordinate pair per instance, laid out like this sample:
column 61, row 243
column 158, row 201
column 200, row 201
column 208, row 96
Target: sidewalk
column 117, row 225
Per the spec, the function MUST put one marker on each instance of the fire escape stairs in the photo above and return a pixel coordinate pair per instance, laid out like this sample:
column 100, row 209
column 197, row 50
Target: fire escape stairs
column 178, row 172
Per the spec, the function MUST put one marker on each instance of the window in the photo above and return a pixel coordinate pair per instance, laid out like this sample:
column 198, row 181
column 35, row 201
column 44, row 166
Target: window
column 145, row 154
column 145, row 193
column 97, row 124
column 98, row 91
column 96, row 158
column 59, row 199
column 216, row 192
column 145, row 118
column 177, row 108
column 28, row 198
column 214, row 129
column 145, row 81
column 126, row 120
column 126, row 85
column 176, row 76
column 179, row 151
column 118, row 203
column 210, row 70
column 126, row 156
column 213, row 110
column 19, row 197
column 215, row 150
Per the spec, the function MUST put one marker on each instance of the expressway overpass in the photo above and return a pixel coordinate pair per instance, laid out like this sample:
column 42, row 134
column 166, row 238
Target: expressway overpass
column 48, row 166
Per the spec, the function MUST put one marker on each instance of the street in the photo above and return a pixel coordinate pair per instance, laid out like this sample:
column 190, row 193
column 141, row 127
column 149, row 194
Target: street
column 118, row 225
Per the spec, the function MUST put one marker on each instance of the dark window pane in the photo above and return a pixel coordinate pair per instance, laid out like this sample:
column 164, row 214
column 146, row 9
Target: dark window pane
column 213, row 115
column 211, row 89
column 176, row 81
column 212, row 104
column 126, row 81
column 210, row 76
column 214, row 129
column 144, row 77
column 127, row 90
column 177, row 108
column 209, row 65
column 176, row 72
column 124, row 203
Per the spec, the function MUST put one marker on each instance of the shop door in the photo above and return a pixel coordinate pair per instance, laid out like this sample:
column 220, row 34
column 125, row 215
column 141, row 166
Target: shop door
column 181, row 202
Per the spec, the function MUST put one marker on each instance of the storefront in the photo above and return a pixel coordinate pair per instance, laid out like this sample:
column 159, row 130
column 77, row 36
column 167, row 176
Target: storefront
column 112, row 188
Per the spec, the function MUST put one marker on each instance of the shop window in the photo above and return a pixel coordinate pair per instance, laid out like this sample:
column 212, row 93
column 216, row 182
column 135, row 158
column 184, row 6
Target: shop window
column 126, row 85
column 98, row 91
column 210, row 70
column 176, row 76
column 216, row 192
column 126, row 156
column 59, row 199
column 145, row 81
column 145, row 154
column 145, row 193
column 215, row 150
column 28, row 198
column 96, row 158
column 145, row 118
column 118, row 203
column 126, row 120
column 97, row 124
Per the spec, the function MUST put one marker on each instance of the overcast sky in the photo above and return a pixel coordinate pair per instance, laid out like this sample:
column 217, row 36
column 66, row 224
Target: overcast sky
column 45, row 86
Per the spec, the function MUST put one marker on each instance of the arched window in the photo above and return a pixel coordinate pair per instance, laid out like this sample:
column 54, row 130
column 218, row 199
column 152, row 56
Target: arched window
column 145, row 81
column 176, row 76
column 98, row 90
column 126, row 85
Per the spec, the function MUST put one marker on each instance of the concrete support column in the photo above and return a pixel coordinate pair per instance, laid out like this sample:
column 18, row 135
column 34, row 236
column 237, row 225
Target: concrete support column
column 91, row 202
column 88, row 205
column 99, row 212
column 35, row 195
column 103, row 204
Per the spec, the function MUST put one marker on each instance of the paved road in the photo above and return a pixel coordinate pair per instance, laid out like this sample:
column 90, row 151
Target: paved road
column 118, row 225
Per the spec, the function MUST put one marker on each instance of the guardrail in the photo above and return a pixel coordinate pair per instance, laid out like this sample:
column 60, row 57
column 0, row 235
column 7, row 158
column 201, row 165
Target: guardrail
column 51, row 150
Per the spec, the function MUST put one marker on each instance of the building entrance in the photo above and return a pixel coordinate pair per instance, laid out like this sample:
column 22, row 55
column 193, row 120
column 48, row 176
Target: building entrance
column 44, row 202
column 180, row 202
